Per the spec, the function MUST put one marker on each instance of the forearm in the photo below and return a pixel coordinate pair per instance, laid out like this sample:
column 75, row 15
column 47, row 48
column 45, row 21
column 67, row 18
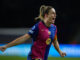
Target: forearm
column 18, row 41
column 56, row 45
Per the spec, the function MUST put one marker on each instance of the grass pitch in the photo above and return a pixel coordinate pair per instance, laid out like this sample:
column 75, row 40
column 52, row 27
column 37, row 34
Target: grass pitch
column 25, row 58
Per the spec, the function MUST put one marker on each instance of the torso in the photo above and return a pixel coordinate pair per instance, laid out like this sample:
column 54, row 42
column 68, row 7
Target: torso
column 41, row 45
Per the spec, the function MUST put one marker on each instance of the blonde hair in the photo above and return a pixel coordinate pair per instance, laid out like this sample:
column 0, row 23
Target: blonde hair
column 43, row 10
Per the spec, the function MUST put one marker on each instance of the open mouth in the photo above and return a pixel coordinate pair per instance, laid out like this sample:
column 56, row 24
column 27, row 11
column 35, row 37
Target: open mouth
column 53, row 18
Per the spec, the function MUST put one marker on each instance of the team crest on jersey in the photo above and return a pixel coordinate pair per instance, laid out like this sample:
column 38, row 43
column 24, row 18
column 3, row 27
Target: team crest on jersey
column 49, row 32
column 48, row 41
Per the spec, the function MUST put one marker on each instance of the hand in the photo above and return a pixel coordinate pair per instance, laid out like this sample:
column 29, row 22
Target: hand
column 3, row 48
column 62, row 54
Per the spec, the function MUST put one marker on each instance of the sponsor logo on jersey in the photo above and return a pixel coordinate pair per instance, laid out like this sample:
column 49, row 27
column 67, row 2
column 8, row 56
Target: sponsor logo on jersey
column 48, row 41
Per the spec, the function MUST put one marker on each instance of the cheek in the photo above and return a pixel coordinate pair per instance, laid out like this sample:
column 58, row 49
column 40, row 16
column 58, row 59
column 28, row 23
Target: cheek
column 50, row 17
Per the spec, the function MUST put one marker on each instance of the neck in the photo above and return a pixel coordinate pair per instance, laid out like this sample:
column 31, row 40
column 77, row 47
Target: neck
column 47, row 23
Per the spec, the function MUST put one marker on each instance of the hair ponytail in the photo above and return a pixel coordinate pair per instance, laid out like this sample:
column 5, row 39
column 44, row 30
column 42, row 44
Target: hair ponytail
column 41, row 12
column 43, row 9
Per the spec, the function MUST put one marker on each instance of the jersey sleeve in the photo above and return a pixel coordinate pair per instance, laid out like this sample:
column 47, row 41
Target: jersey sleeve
column 55, row 38
column 33, row 31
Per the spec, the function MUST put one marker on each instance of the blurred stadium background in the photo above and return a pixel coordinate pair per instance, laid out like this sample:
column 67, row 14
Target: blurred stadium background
column 17, row 17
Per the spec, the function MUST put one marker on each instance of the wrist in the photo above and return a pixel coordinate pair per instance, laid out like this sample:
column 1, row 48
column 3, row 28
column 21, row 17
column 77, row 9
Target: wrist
column 60, row 51
column 6, row 46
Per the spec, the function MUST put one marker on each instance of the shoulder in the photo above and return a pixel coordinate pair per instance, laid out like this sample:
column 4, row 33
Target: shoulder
column 53, row 25
column 35, row 25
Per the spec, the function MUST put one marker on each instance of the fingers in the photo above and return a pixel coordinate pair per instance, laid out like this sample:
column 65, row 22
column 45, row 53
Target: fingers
column 2, row 49
column 63, row 54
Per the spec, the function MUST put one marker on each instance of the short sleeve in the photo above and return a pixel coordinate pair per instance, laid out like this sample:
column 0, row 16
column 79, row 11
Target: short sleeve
column 56, row 31
column 55, row 38
column 33, row 31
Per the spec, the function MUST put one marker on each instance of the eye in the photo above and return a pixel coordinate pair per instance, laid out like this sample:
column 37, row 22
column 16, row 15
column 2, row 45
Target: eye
column 53, row 13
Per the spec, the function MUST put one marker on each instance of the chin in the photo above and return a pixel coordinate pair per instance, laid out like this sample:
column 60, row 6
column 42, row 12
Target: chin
column 53, row 22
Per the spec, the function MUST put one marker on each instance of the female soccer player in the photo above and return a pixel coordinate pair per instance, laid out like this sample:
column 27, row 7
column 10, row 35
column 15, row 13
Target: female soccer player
column 44, row 33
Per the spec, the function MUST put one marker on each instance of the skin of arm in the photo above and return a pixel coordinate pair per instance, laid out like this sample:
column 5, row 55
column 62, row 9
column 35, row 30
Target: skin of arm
column 56, row 45
column 15, row 42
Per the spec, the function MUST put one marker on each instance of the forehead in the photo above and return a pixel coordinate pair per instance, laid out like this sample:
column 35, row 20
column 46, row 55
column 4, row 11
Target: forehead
column 52, row 10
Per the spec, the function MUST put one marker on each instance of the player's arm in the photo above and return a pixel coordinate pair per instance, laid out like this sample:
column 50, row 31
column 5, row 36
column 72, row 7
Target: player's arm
column 16, row 42
column 56, row 45
column 21, row 39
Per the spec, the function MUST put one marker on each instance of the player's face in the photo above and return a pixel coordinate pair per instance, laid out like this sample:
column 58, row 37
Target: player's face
column 51, row 16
